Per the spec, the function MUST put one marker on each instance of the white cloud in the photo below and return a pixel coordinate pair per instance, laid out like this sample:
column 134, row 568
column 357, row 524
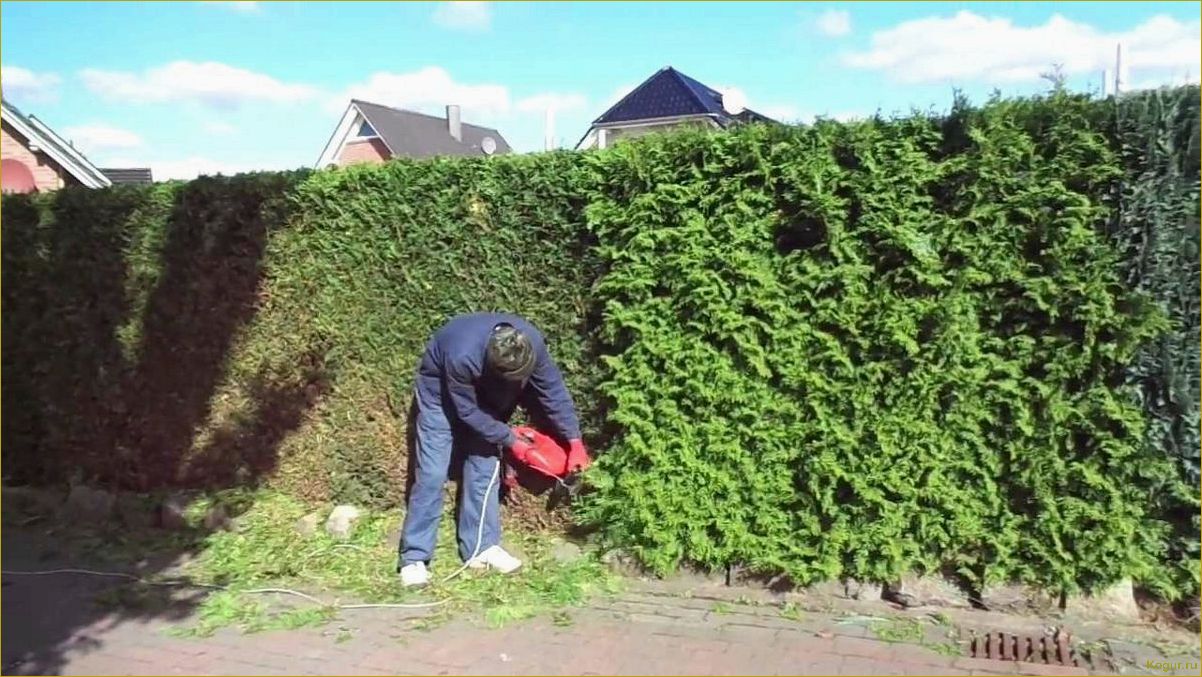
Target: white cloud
column 464, row 15
column 428, row 90
column 1181, row 77
column 210, row 82
column 240, row 6
column 834, row 22
column 557, row 102
column 217, row 127
column 22, row 84
column 100, row 137
column 970, row 46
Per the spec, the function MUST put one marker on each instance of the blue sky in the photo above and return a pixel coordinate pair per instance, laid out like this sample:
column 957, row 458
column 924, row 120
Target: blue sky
column 188, row 87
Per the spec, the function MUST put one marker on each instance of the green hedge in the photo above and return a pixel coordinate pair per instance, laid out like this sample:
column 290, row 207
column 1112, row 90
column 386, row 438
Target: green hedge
column 267, row 327
column 379, row 257
column 1155, row 226
column 870, row 349
column 839, row 350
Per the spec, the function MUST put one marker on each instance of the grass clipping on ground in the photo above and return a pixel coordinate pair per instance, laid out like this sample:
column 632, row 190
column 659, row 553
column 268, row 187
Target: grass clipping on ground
column 265, row 550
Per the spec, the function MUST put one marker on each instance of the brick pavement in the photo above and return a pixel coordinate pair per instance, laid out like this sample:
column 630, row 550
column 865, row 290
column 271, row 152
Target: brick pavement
column 632, row 634
column 51, row 625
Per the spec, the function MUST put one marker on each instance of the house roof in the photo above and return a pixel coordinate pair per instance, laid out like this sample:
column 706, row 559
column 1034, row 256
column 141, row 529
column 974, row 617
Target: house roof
column 53, row 145
column 411, row 134
column 669, row 93
column 136, row 176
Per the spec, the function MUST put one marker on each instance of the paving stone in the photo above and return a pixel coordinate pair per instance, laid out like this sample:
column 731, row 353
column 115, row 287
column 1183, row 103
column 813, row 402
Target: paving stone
column 858, row 665
column 1038, row 669
column 855, row 646
column 996, row 667
column 924, row 669
column 649, row 637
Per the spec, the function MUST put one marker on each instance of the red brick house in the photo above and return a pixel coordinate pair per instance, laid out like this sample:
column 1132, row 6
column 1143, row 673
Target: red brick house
column 369, row 132
column 33, row 158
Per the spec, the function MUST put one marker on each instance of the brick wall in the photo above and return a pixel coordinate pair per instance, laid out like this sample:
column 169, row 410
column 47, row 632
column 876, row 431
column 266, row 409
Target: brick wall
column 371, row 150
column 46, row 173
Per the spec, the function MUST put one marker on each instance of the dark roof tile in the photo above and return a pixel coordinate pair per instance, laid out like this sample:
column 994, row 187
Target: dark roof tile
column 670, row 93
column 137, row 176
column 410, row 134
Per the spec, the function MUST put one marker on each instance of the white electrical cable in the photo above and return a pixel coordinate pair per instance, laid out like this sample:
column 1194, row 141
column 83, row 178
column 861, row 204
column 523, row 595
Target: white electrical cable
column 483, row 513
column 476, row 551
column 257, row 591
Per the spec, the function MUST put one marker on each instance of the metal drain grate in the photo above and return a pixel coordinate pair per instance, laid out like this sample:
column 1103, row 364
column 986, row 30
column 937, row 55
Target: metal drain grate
column 1052, row 649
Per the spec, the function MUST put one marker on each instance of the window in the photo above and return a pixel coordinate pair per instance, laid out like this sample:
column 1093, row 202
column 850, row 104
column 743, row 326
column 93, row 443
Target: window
column 366, row 131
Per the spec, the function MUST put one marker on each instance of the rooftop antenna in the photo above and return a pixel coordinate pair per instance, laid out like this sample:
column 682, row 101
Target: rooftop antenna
column 1119, row 75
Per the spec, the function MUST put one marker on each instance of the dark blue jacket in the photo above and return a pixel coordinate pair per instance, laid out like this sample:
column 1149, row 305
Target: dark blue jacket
column 453, row 370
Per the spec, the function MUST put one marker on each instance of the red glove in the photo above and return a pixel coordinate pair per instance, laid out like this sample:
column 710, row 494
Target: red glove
column 578, row 456
column 511, row 478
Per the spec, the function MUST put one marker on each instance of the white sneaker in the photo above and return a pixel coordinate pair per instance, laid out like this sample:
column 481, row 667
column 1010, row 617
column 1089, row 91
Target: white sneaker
column 414, row 574
column 495, row 558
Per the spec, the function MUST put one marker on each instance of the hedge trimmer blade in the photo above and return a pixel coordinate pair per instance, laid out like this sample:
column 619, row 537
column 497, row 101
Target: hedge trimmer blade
column 564, row 490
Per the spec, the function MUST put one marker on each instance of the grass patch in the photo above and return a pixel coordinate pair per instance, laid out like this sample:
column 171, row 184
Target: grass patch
column 265, row 550
column 791, row 611
column 1166, row 647
column 898, row 630
column 949, row 648
column 940, row 618
column 913, row 631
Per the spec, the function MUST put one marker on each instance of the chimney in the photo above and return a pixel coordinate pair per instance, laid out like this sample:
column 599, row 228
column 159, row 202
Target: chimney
column 453, row 125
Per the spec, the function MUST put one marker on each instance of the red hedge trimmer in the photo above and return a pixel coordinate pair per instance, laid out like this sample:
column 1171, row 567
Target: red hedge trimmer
column 548, row 458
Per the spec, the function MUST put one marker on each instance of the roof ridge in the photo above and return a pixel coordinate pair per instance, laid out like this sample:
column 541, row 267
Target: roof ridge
column 632, row 92
column 59, row 149
column 678, row 80
column 685, row 80
column 419, row 113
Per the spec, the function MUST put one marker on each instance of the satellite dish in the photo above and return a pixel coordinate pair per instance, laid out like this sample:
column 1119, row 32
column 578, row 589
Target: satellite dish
column 733, row 101
column 488, row 145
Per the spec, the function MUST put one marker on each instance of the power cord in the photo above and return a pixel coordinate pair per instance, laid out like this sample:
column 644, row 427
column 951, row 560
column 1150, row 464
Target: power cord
column 193, row 584
column 426, row 605
column 480, row 530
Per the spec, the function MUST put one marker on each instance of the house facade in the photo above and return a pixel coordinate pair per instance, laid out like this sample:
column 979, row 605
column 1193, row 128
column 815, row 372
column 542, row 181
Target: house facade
column 370, row 132
column 33, row 158
column 665, row 101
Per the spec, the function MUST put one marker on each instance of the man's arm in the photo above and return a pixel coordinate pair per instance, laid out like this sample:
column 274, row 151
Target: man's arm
column 463, row 398
column 553, row 394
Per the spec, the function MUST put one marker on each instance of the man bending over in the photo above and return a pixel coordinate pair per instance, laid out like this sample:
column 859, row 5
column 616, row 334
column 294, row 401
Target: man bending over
column 476, row 369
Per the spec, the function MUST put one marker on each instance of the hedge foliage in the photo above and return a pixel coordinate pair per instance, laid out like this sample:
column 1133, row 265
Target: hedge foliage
column 884, row 347
column 1156, row 226
column 856, row 349
column 233, row 330
column 379, row 257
